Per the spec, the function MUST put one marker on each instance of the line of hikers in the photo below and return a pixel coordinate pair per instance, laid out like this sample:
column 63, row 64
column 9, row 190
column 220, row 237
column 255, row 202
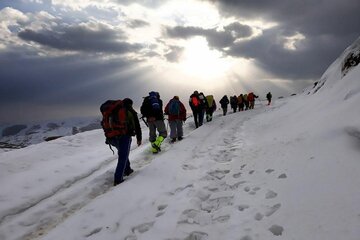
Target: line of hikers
column 120, row 121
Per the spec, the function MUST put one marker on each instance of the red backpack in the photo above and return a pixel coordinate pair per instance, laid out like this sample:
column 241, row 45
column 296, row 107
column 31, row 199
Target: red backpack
column 250, row 97
column 195, row 101
column 114, row 121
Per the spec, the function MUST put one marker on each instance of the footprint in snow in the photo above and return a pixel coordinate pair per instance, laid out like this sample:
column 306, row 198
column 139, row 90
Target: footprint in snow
column 93, row 232
column 142, row 227
column 242, row 207
column 270, row 194
column 247, row 237
column 237, row 175
column 282, row 176
column 258, row 216
column 160, row 210
column 188, row 167
column 276, row 230
column 270, row 211
column 197, row 236
column 219, row 174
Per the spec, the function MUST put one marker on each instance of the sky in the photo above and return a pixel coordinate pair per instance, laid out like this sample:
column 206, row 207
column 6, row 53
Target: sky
column 249, row 175
column 62, row 59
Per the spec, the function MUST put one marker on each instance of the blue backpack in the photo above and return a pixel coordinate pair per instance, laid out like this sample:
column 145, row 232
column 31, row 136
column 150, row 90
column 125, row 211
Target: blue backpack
column 174, row 107
column 154, row 102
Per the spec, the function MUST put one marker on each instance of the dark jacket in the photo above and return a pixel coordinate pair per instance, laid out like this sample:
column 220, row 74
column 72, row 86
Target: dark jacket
column 224, row 102
column 148, row 112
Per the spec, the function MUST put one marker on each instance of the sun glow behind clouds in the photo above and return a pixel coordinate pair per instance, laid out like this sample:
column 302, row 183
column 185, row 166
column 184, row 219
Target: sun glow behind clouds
column 201, row 62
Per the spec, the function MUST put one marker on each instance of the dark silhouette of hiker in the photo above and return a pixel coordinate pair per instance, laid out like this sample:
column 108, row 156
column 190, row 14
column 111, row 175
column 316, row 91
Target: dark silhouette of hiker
column 268, row 97
column 224, row 102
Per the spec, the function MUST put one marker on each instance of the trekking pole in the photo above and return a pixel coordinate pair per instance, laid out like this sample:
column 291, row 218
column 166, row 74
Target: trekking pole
column 142, row 117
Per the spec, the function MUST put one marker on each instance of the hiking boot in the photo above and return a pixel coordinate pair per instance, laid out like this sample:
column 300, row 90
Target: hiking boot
column 128, row 172
column 154, row 148
column 117, row 183
column 173, row 140
column 180, row 138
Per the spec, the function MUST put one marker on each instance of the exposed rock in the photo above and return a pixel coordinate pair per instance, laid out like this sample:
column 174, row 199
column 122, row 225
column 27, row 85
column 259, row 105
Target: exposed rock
column 13, row 130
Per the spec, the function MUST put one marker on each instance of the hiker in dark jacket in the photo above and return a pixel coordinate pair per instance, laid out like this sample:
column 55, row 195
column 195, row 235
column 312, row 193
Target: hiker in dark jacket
column 177, row 115
column 197, row 108
column 241, row 103
column 123, row 143
column 268, row 97
column 152, row 109
column 234, row 103
column 224, row 102
column 204, row 104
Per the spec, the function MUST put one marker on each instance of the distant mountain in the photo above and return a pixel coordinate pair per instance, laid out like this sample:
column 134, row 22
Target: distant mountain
column 22, row 135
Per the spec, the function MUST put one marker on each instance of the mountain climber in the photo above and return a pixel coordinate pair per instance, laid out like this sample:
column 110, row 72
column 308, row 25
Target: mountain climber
column 224, row 102
column 241, row 102
column 177, row 115
column 120, row 123
column 234, row 103
column 268, row 97
column 197, row 108
column 251, row 98
column 211, row 107
column 152, row 109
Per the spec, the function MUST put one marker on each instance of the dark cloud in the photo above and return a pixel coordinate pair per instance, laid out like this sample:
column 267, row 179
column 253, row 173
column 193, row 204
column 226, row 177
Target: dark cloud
column 75, row 83
column 147, row 3
column 137, row 23
column 328, row 27
column 81, row 38
column 174, row 54
column 216, row 38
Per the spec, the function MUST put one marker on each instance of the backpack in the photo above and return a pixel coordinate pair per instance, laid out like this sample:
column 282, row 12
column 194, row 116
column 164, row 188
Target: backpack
column 250, row 97
column 174, row 107
column 116, row 119
column 195, row 101
column 154, row 102
column 210, row 100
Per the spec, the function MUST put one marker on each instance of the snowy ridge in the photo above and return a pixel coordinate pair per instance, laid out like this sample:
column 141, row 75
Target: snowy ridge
column 15, row 136
column 286, row 171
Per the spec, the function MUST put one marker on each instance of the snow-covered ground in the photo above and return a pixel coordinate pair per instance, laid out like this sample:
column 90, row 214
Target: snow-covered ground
column 285, row 171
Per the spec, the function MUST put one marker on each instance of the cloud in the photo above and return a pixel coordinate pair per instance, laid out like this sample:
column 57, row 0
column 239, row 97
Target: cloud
column 75, row 83
column 137, row 23
column 174, row 53
column 81, row 38
column 328, row 27
column 216, row 38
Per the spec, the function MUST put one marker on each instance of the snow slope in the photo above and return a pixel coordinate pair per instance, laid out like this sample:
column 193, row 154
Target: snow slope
column 286, row 171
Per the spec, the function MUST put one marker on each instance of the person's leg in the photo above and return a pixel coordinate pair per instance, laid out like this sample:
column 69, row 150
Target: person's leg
column 201, row 117
column 195, row 114
column 179, row 128
column 123, row 147
column 160, row 126
column 152, row 131
column 128, row 169
column 173, row 130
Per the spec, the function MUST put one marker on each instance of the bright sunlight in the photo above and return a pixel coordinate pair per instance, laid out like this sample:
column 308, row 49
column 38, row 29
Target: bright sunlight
column 201, row 62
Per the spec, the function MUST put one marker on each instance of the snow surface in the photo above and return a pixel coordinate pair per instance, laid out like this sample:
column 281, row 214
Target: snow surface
column 285, row 171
